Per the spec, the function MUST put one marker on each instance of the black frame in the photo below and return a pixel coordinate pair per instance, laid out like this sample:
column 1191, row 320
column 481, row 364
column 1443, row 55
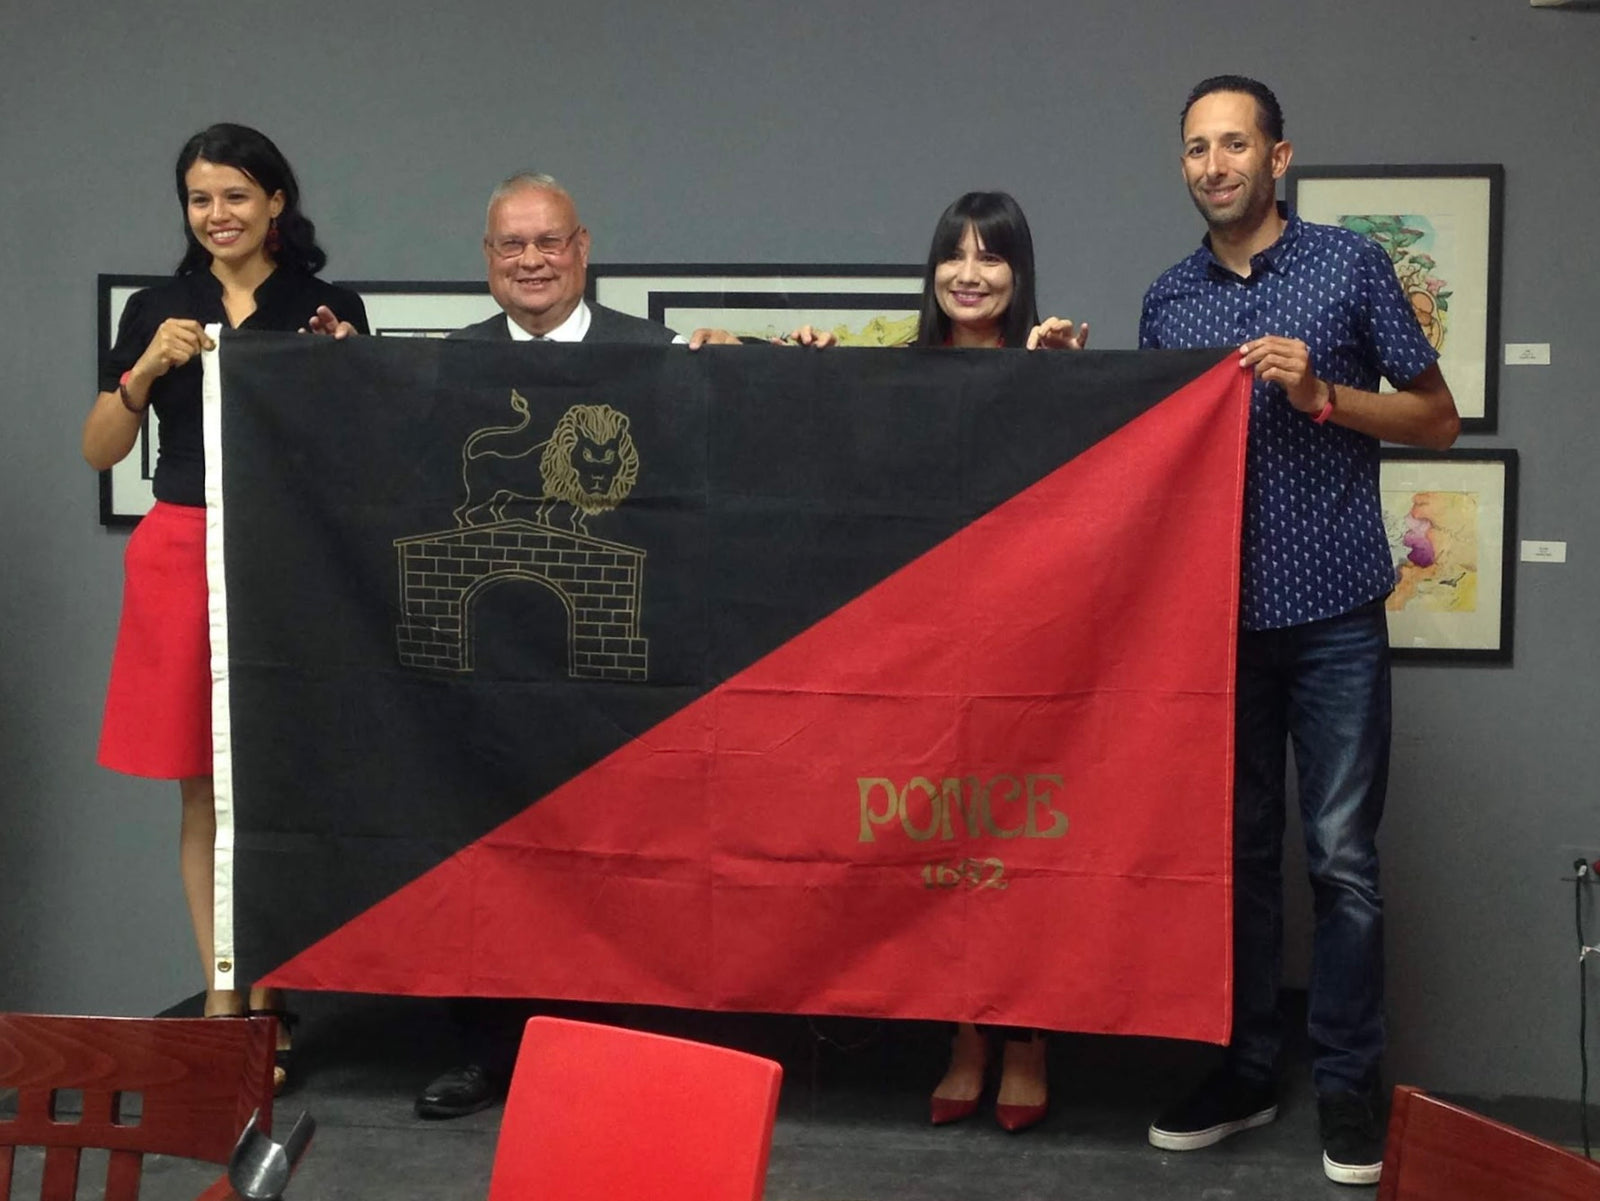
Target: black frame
column 1495, row 174
column 815, row 284
column 106, row 332
column 1508, row 459
column 732, row 302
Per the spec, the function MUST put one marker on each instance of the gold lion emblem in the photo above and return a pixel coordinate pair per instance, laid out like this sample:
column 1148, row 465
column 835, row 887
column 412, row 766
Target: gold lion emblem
column 589, row 463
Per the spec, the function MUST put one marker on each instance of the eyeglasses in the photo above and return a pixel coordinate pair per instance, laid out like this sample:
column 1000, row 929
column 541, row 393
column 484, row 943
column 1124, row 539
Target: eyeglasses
column 551, row 246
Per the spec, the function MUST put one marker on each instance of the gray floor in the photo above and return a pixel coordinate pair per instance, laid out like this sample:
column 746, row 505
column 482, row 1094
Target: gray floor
column 852, row 1124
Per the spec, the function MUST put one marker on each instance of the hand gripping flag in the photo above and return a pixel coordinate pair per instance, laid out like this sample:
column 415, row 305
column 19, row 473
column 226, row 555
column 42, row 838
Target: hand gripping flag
column 851, row 682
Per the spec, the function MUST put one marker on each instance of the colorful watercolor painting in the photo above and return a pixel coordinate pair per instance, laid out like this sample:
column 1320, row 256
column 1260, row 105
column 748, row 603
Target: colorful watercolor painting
column 1410, row 241
column 1433, row 537
column 1450, row 518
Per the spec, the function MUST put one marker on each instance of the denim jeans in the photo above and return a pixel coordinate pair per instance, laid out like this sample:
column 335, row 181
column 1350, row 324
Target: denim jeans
column 1325, row 686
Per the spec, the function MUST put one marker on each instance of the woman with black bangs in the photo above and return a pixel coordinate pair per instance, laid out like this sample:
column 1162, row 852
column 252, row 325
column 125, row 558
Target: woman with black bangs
column 250, row 262
column 978, row 287
column 978, row 292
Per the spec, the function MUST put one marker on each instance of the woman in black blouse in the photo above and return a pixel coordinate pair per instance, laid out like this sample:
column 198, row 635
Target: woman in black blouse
column 250, row 262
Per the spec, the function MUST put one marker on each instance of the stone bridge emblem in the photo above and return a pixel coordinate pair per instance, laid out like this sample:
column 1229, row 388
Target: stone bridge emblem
column 524, row 514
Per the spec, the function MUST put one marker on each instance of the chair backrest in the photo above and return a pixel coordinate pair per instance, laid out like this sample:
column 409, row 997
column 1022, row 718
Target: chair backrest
column 170, row 1086
column 597, row 1113
column 1441, row 1152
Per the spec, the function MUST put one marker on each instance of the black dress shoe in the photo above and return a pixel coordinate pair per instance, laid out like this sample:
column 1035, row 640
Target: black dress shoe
column 458, row 1092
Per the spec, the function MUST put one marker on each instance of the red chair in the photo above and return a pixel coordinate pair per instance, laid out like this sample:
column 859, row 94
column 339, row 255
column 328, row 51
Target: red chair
column 1440, row 1152
column 597, row 1113
column 163, row 1086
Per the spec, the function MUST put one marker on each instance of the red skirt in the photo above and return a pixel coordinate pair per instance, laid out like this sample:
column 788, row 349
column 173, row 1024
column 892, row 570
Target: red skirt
column 158, row 707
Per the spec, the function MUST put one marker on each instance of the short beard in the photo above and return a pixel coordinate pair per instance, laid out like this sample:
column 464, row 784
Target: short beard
column 1251, row 215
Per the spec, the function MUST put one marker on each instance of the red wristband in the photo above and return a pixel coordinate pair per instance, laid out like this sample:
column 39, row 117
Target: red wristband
column 122, row 391
column 1327, row 409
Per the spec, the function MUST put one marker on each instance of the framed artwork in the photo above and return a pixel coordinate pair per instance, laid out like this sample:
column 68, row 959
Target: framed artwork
column 1451, row 520
column 863, row 304
column 394, row 309
column 1440, row 226
column 125, row 494
column 429, row 309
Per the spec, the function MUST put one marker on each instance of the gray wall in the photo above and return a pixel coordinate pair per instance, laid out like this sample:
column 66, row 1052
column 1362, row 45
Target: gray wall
column 828, row 132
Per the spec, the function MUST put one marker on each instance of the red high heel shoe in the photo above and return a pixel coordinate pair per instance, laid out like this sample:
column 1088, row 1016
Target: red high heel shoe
column 971, row 1047
column 1014, row 1119
column 944, row 1110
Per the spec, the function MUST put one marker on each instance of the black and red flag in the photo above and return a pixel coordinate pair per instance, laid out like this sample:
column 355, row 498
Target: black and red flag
column 852, row 681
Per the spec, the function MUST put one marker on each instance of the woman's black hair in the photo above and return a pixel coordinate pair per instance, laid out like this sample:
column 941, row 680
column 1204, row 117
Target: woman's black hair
column 253, row 153
column 1003, row 230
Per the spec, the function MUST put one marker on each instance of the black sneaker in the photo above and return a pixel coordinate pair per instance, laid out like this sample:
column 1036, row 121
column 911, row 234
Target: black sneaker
column 1352, row 1141
column 1224, row 1104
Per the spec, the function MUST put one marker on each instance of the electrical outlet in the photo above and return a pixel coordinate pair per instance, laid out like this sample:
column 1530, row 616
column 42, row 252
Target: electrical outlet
column 1571, row 854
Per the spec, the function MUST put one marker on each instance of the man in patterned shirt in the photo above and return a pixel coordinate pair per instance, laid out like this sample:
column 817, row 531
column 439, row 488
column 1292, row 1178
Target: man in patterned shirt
column 1318, row 317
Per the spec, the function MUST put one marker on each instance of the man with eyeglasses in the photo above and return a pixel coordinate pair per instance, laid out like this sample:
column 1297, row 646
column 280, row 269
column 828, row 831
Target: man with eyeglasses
column 537, row 253
column 538, row 259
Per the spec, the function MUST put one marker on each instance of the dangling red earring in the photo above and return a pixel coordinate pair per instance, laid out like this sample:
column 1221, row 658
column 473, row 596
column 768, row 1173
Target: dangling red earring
column 274, row 238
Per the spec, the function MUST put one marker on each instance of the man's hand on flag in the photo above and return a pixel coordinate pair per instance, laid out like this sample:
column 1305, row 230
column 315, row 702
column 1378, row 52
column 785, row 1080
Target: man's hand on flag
column 807, row 335
column 1286, row 362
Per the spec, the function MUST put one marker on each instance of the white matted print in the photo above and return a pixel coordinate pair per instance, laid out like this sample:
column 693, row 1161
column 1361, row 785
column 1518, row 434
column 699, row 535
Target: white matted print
column 1440, row 226
column 423, row 310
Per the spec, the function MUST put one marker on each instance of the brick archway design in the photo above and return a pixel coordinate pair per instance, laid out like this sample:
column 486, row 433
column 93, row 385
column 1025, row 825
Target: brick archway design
column 599, row 582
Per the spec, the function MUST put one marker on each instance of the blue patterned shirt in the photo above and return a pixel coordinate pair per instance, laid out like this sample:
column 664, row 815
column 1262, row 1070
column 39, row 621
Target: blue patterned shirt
column 1314, row 544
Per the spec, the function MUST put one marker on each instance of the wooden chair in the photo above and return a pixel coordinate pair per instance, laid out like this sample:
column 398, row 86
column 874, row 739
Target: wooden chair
column 1440, row 1152
column 165, row 1086
column 597, row 1113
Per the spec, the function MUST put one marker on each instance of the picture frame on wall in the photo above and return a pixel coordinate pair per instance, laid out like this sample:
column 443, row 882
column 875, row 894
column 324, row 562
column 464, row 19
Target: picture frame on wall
column 395, row 309
column 863, row 304
column 1441, row 228
column 125, row 494
column 422, row 308
column 1451, row 520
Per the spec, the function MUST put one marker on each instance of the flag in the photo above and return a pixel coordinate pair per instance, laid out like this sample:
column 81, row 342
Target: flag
column 849, row 681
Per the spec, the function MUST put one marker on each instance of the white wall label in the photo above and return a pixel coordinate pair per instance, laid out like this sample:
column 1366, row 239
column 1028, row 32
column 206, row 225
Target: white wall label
column 1527, row 354
column 1544, row 552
